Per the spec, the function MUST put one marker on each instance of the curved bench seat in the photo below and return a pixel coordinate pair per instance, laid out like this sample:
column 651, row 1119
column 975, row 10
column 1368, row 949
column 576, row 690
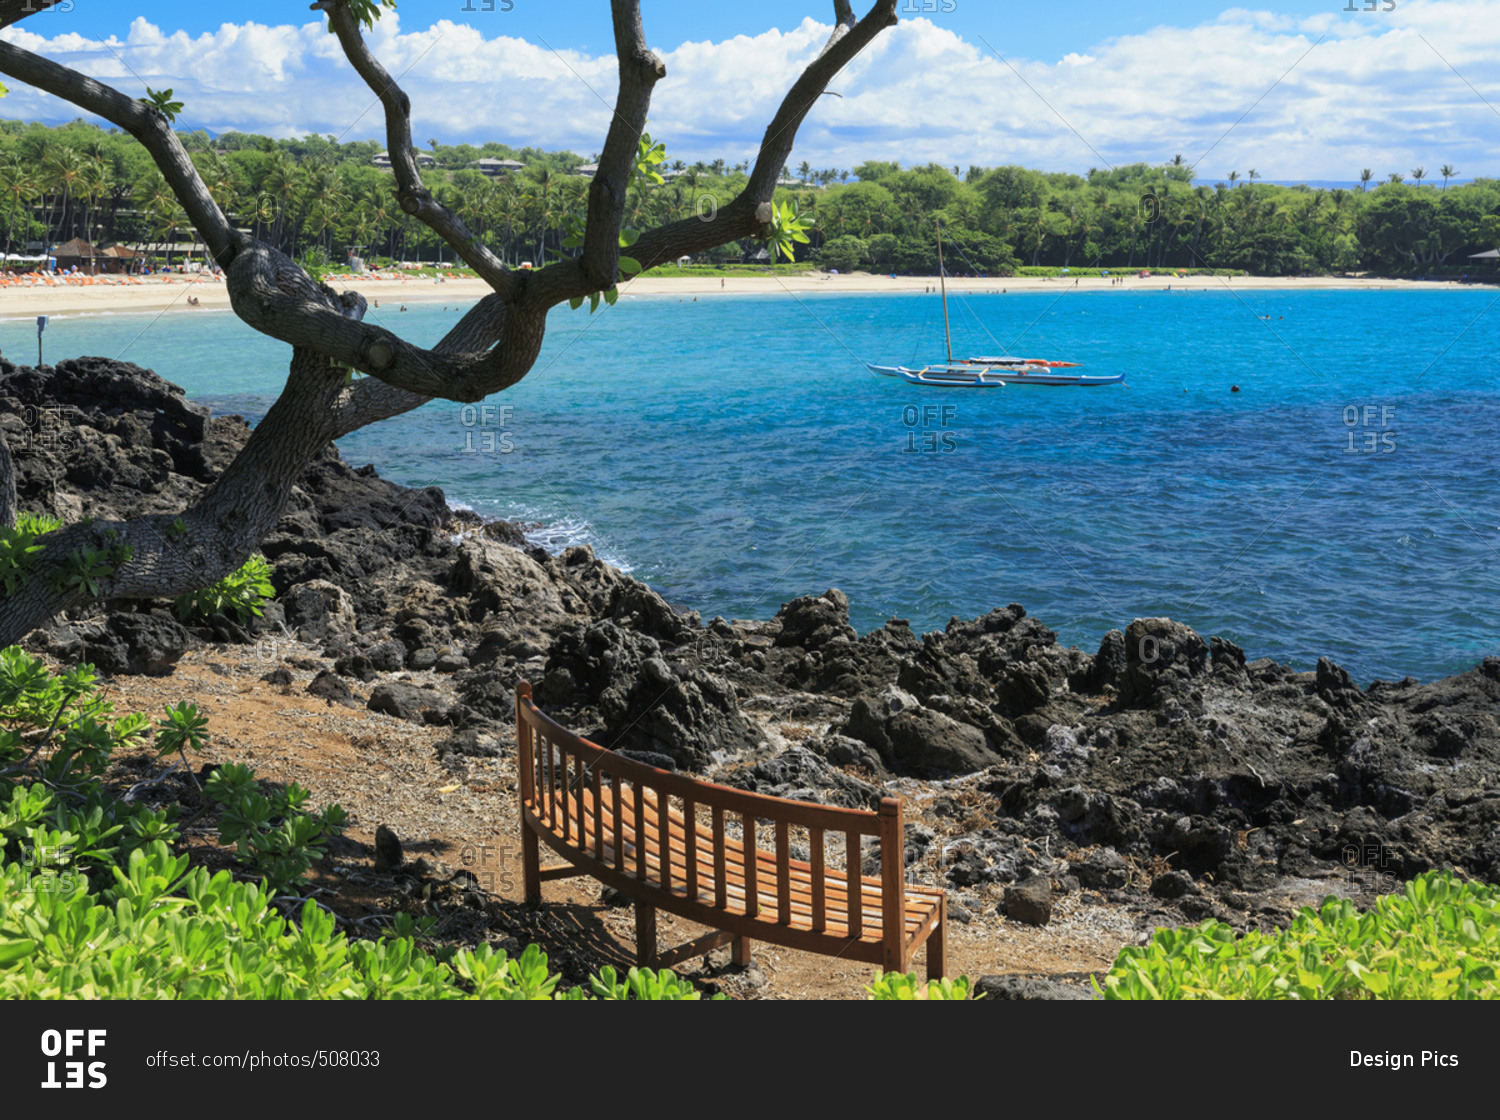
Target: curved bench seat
column 720, row 856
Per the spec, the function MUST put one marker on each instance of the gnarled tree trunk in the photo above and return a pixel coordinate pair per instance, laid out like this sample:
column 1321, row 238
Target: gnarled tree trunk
column 490, row 349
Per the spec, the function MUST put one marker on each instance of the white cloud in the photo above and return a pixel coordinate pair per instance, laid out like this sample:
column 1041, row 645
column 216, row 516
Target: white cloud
column 1388, row 90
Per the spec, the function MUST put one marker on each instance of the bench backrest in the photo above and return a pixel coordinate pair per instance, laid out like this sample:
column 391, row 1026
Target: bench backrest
column 558, row 768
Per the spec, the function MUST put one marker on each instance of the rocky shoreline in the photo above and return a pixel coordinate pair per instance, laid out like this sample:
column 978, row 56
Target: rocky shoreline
column 1166, row 772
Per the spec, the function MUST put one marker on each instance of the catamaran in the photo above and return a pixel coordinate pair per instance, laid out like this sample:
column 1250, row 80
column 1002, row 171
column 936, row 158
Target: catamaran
column 988, row 372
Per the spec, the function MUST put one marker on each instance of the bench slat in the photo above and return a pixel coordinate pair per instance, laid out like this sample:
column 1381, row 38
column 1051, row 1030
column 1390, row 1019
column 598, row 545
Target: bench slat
column 819, row 887
column 852, row 856
column 802, row 885
column 783, row 873
column 751, row 866
column 690, row 847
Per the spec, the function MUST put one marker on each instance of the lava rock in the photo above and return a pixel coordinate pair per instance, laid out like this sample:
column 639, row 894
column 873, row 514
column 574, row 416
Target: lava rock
column 1027, row 987
column 332, row 687
column 319, row 611
column 1029, row 901
column 469, row 744
column 1174, row 884
column 388, row 853
column 414, row 704
column 810, row 623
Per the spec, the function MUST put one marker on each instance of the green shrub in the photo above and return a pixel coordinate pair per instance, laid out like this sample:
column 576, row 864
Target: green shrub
column 18, row 548
column 99, row 898
column 895, row 985
column 1437, row 939
column 240, row 593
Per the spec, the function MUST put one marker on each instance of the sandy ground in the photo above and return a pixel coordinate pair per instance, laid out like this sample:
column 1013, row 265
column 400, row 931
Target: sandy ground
column 172, row 294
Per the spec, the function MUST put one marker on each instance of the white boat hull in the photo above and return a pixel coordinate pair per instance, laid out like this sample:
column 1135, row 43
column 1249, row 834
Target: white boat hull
column 975, row 376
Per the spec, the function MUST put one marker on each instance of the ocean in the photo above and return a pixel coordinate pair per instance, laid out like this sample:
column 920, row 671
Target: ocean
column 734, row 453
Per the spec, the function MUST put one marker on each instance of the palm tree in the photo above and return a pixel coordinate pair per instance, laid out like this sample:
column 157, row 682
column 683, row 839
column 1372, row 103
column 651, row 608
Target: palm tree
column 1447, row 173
column 1233, row 176
column 1395, row 177
column 94, row 184
column 1253, row 175
column 804, row 169
column 65, row 169
column 543, row 182
column 18, row 183
column 1419, row 173
column 283, row 178
column 1364, row 178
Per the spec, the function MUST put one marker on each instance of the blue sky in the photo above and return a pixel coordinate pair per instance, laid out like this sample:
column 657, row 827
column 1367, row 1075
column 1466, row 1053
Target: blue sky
column 1298, row 89
column 1036, row 31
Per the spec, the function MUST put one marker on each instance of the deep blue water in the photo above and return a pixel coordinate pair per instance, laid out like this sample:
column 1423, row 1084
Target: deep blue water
column 734, row 453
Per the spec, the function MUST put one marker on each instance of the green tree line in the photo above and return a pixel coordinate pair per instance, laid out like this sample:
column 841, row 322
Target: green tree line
column 319, row 200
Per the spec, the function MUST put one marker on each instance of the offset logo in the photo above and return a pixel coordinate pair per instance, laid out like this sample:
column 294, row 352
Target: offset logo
column 74, row 1046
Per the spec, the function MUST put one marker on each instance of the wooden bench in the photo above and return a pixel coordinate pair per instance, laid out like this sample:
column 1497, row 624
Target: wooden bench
column 691, row 848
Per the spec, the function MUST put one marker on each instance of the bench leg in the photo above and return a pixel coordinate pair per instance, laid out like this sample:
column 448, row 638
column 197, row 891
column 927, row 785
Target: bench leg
column 645, row 934
column 742, row 952
column 937, row 946
column 531, row 867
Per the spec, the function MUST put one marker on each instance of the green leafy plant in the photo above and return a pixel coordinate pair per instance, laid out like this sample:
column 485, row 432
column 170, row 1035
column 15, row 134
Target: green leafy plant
column 161, row 101
column 183, row 728
column 896, row 985
column 1439, row 938
column 368, row 11
column 85, row 570
column 37, row 523
column 18, row 548
column 786, row 230
column 642, row 983
column 100, row 898
column 240, row 593
column 270, row 828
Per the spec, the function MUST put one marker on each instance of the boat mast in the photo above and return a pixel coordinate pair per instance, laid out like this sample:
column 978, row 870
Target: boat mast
column 943, row 283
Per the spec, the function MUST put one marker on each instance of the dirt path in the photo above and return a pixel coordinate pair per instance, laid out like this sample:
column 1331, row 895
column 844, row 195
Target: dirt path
column 384, row 771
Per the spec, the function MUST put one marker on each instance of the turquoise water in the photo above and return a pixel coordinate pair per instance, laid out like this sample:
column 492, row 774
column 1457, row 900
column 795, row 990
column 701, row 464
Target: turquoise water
column 734, row 453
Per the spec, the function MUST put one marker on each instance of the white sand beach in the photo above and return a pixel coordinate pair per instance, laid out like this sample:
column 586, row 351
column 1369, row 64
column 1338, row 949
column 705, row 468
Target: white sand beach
column 171, row 293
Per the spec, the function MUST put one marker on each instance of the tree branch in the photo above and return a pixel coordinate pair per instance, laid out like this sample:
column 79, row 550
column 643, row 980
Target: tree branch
column 640, row 70
column 749, row 213
column 414, row 197
column 13, row 11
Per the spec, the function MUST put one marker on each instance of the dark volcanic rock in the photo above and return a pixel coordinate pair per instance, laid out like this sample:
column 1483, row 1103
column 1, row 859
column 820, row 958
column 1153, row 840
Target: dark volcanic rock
column 1160, row 654
column 689, row 716
column 811, row 623
column 1029, row 901
column 408, row 702
column 470, row 744
column 388, row 853
column 799, row 774
column 387, row 657
column 319, row 610
column 912, row 739
column 331, row 687
column 1174, row 884
column 1028, row 987
column 153, row 641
